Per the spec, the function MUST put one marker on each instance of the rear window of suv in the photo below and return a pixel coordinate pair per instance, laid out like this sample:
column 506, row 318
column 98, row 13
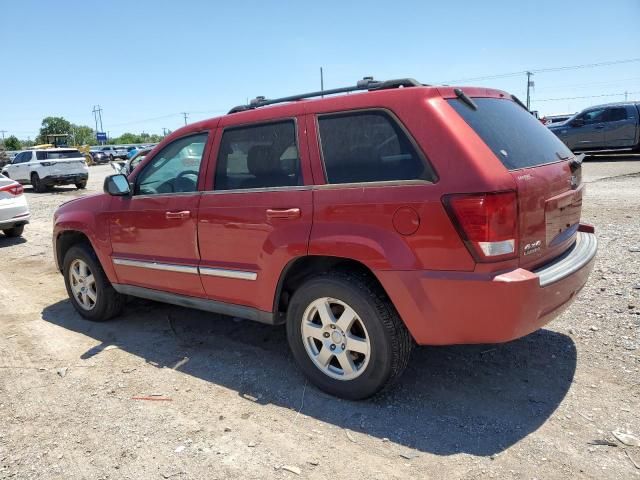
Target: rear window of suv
column 61, row 154
column 515, row 136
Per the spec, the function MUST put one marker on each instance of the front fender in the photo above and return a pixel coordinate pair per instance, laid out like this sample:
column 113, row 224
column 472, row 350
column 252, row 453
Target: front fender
column 90, row 217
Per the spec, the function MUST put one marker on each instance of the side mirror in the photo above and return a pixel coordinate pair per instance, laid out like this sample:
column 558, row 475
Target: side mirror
column 578, row 122
column 117, row 185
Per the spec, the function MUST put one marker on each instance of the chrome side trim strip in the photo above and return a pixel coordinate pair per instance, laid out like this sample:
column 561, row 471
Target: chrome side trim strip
column 167, row 267
column 223, row 272
column 573, row 260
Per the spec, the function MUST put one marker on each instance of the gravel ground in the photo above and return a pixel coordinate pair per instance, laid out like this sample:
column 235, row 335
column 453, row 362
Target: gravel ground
column 223, row 398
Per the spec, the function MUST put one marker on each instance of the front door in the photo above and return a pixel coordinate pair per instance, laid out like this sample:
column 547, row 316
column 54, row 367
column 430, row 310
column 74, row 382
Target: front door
column 154, row 232
column 258, row 216
column 591, row 134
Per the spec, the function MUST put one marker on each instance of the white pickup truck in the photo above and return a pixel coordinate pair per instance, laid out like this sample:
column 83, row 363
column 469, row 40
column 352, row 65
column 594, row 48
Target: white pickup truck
column 46, row 168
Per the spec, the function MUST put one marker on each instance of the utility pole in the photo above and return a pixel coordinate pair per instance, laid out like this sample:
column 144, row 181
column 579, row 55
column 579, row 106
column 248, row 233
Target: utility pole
column 3, row 132
column 185, row 115
column 321, row 81
column 97, row 113
column 529, row 85
column 625, row 99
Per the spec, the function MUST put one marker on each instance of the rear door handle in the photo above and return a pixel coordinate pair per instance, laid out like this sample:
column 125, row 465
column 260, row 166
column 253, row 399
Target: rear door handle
column 283, row 213
column 177, row 215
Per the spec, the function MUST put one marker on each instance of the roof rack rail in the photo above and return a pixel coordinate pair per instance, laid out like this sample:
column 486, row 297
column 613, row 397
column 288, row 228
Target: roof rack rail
column 367, row 83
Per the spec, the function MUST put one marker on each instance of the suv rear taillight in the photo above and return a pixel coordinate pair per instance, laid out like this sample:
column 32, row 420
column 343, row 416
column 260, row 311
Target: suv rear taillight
column 487, row 222
column 13, row 188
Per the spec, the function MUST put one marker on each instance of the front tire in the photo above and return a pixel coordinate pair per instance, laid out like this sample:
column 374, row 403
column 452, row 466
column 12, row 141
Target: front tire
column 89, row 289
column 346, row 335
column 81, row 185
column 14, row 232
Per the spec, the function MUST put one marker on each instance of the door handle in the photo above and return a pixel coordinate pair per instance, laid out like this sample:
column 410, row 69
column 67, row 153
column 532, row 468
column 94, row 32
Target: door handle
column 283, row 213
column 177, row 215
column 598, row 127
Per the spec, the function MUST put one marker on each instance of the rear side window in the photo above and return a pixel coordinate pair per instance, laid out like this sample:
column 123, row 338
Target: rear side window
column 616, row 114
column 259, row 156
column 515, row 136
column 368, row 146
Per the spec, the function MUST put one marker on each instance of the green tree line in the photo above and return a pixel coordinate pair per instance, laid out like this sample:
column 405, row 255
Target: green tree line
column 76, row 135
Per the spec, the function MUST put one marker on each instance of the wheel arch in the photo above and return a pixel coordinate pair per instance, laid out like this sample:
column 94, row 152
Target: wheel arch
column 67, row 239
column 302, row 268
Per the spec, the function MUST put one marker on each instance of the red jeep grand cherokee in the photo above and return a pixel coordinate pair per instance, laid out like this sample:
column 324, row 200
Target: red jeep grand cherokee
column 366, row 222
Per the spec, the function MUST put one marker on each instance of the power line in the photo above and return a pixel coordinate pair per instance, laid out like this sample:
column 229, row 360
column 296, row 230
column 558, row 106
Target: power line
column 545, row 70
column 587, row 96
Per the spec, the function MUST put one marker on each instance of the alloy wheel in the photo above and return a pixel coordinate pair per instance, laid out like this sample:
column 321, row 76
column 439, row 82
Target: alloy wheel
column 335, row 338
column 83, row 284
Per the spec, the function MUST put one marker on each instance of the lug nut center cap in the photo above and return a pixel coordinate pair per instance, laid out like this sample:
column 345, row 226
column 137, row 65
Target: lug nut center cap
column 336, row 337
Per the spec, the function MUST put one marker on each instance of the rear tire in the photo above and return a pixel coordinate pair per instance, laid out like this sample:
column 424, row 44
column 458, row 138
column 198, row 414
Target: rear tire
column 37, row 184
column 351, row 359
column 81, row 185
column 89, row 289
column 14, row 232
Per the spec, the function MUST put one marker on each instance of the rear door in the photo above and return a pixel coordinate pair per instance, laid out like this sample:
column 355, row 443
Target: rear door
column 16, row 170
column 549, row 192
column 153, row 233
column 257, row 216
column 620, row 126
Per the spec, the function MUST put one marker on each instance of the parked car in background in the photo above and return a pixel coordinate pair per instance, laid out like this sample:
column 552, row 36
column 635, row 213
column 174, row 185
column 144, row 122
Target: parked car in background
column 114, row 152
column 14, row 210
column 127, row 167
column 614, row 126
column 46, row 168
column 551, row 119
column 99, row 156
column 345, row 218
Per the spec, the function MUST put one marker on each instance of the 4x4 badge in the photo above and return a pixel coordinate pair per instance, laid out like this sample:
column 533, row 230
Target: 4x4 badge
column 532, row 247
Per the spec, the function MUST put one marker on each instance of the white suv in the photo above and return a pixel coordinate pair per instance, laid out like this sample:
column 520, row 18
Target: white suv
column 45, row 168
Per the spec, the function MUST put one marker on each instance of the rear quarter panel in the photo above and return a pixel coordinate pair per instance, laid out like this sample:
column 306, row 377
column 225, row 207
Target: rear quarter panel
column 356, row 221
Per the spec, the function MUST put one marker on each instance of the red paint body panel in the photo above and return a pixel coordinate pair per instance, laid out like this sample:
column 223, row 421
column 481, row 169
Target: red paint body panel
column 399, row 230
column 446, row 308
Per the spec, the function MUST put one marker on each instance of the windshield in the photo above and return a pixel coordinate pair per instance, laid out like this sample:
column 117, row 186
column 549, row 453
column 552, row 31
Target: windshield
column 515, row 136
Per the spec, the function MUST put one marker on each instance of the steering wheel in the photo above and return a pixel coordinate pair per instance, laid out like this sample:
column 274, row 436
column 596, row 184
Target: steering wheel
column 187, row 172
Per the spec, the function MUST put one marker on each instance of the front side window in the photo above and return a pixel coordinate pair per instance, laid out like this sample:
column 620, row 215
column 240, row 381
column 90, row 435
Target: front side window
column 368, row 146
column 259, row 156
column 175, row 169
column 593, row 116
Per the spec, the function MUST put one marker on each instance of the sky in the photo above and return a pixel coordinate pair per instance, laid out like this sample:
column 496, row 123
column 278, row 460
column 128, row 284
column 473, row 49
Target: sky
column 146, row 61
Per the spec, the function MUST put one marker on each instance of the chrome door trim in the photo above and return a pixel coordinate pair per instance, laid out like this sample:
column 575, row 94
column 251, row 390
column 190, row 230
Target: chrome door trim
column 167, row 267
column 170, row 267
column 226, row 273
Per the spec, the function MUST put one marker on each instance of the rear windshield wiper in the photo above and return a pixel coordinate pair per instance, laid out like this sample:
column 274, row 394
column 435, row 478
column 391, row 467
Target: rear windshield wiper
column 465, row 98
column 576, row 162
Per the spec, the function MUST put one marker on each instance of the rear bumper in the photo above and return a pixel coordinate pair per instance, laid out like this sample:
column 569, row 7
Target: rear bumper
column 65, row 179
column 16, row 221
column 444, row 308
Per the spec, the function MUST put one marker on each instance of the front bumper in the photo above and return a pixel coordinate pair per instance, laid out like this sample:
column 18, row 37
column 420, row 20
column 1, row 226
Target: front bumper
column 65, row 179
column 446, row 308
